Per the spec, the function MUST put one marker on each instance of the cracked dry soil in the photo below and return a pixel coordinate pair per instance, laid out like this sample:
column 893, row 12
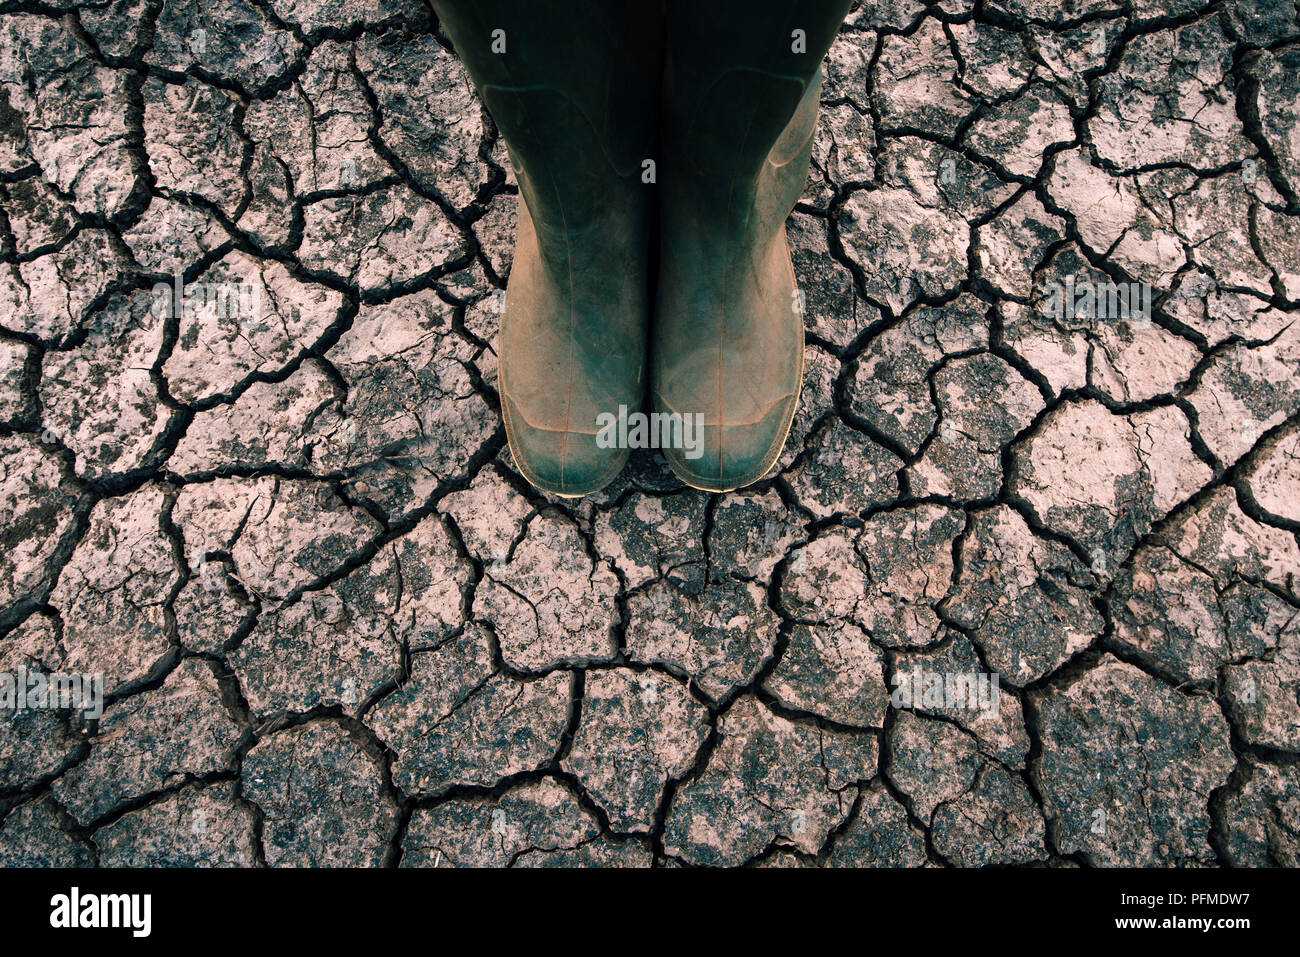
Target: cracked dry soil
column 337, row 628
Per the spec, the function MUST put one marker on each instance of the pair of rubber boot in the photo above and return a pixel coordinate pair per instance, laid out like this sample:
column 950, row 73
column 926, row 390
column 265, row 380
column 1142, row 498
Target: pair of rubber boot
column 659, row 147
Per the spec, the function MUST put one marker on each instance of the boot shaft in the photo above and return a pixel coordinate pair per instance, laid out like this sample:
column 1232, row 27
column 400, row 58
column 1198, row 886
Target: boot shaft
column 574, row 89
column 741, row 90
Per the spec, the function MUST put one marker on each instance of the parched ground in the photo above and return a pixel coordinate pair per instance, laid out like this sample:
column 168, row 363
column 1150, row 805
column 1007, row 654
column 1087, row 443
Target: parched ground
column 337, row 627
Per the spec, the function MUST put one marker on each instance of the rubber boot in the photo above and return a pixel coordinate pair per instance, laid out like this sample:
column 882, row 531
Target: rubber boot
column 574, row 90
column 741, row 101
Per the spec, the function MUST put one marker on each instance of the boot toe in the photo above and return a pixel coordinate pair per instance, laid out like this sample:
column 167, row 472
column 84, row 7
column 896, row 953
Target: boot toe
column 559, row 460
column 734, row 456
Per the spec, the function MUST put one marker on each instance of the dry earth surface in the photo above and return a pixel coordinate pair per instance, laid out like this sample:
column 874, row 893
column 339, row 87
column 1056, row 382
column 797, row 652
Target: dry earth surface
column 337, row 627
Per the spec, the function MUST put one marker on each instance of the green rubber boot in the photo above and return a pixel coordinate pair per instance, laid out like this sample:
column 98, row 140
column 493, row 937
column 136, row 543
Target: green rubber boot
column 728, row 335
column 574, row 90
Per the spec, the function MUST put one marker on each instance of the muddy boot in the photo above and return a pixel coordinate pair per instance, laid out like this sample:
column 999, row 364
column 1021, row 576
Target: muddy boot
column 741, row 101
column 574, row 90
